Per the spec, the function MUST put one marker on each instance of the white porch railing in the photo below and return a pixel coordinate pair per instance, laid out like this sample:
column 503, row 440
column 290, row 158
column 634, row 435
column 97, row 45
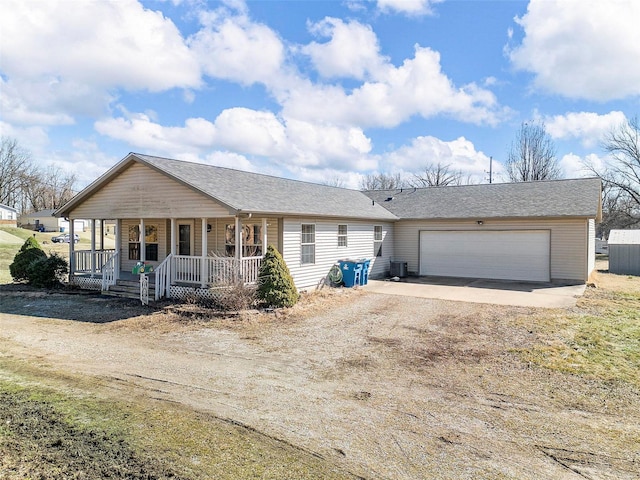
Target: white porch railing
column 109, row 270
column 186, row 269
column 82, row 260
column 163, row 277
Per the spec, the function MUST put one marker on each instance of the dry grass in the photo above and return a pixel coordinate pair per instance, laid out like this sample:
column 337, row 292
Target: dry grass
column 599, row 339
column 52, row 428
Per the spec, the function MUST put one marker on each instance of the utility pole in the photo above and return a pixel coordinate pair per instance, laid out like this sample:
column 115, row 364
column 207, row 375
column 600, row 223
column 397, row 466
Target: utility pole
column 490, row 170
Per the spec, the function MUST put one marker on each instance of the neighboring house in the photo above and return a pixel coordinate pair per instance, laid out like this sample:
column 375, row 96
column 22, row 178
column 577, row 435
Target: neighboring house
column 624, row 252
column 602, row 246
column 8, row 215
column 44, row 221
column 192, row 222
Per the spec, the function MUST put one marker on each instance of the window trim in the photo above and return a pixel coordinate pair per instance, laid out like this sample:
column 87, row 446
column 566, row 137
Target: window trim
column 378, row 240
column 150, row 230
column 307, row 244
column 343, row 238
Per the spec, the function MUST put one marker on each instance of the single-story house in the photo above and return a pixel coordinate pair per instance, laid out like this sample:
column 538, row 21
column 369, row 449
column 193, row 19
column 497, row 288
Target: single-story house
column 45, row 221
column 193, row 222
column 624, row 252
column 8, row 215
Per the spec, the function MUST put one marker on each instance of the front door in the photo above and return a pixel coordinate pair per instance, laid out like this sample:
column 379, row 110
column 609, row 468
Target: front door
column 187, row 269
column 184, row 239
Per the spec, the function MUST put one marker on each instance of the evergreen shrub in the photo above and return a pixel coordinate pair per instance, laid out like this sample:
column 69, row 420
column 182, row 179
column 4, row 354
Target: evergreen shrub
column 275, row 283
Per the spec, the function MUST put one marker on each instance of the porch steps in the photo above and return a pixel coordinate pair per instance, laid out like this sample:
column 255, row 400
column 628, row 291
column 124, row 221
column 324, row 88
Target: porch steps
column 129, row 289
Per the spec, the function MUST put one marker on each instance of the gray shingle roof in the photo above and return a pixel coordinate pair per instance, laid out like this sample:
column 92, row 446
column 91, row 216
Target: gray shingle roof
column 257, row 193
column 557, row 198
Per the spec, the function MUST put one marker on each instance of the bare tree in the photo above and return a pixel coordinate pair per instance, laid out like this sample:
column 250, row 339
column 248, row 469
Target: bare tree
column 532, row 155
column 335, row 181
column 48, row 188
column 437, row 176
column 621, row 176
column 15, row 163
column 381, row 181
column 28, row 188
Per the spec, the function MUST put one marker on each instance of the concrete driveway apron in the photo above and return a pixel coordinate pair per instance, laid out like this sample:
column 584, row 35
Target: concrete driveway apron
column 518, row 294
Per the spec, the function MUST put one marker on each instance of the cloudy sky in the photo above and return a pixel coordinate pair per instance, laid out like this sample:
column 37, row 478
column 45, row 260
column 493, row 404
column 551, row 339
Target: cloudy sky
column 314, row 90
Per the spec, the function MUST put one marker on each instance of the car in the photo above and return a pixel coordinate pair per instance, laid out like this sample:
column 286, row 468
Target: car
column 65, row 238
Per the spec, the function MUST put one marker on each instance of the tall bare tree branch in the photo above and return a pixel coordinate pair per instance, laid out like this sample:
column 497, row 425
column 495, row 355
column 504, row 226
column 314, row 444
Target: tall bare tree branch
column 532, row 155
column 437, row 176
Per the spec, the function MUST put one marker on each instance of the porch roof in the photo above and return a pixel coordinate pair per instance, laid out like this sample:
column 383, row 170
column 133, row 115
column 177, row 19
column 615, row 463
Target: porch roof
column 247, row 192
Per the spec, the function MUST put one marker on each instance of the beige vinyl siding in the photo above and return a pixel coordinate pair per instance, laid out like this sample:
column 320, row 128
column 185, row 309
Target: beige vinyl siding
column 591, row 249
column 216, row 237
column 327, row 251
column 141, row 192
column 126, row 265
column 568, row 241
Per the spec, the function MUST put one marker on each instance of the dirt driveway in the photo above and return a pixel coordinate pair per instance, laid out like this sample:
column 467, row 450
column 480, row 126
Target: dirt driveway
column 386, row 386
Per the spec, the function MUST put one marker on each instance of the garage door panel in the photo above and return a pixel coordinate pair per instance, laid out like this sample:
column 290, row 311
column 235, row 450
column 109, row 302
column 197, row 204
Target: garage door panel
column 505, row 255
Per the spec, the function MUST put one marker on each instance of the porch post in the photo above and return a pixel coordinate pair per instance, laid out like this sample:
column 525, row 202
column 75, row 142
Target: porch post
column 118, row 245
column 264, row 236
column 238, row 238
column 102, row 234
column 204, row 280
column 173, row 236
column 93, row 247
column 72, row 262
column 143, row 249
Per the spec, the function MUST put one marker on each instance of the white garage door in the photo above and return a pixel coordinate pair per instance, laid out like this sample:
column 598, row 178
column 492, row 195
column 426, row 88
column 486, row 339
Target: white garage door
column 504, row 255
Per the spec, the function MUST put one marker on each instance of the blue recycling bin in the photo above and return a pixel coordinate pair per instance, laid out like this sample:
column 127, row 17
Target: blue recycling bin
column 351, row 272
column 364, row 277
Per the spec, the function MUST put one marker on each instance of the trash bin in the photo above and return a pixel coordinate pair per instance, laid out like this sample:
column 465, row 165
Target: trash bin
column 398, row 269
column 351, row 272
column 364, row 276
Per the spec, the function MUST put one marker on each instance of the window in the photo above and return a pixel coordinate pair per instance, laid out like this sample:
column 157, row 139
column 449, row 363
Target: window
column 342, row 235
column 308, row 244
column 151, row 242
column 134, row 242
column 251, row 240
column 377, row 240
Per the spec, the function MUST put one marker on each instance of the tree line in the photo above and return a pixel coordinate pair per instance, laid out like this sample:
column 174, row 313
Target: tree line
column 28, row 187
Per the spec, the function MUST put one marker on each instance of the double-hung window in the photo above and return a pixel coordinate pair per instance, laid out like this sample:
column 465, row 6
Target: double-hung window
column 308, row 244
column 342, row 235
column 150, row 241
column 377, row 240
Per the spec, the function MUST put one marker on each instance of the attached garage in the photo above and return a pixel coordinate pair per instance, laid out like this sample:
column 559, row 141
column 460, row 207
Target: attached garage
column 527, row 231
column 504, row 255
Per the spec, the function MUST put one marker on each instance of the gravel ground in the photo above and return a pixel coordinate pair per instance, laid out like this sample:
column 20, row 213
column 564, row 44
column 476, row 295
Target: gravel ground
column 387, row 386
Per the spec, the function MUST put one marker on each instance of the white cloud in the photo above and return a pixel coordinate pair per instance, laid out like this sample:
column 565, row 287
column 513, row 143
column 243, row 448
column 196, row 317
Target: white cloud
column 575, row 166
column 409, row 7
column 459, row 154
column 61, row 59
column 353, row 50
column 587, row 49
column 417, row 87
column 141, row 132
column 108, row 44
column 589, row 127
column 246, row 132
column 236, row 49
column 251, row 132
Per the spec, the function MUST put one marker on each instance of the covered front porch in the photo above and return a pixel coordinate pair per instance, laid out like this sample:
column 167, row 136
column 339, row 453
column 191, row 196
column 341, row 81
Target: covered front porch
column 186, row 256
